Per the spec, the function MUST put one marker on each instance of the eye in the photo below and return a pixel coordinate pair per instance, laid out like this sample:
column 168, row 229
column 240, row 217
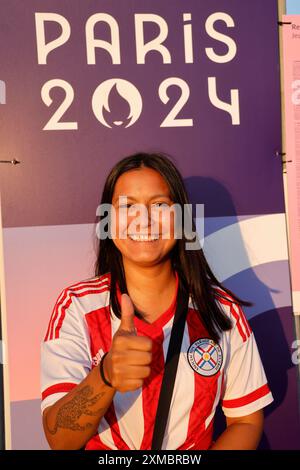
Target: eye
column 124, row 206
column 160, row 205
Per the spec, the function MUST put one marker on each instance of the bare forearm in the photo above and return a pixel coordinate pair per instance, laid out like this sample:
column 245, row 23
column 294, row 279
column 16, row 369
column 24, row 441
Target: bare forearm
column 75, row 418
column 239, row 436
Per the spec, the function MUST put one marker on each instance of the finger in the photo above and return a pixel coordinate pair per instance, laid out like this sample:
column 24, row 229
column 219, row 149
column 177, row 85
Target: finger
column 131, row 342
column 127, row 315
column 136, row 358
column 137, row 372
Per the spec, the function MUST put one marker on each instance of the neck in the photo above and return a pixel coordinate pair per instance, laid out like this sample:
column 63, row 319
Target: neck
column 150, row 287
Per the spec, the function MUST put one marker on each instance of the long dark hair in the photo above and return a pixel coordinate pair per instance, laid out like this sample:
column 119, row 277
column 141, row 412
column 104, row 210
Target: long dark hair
column 193, row 270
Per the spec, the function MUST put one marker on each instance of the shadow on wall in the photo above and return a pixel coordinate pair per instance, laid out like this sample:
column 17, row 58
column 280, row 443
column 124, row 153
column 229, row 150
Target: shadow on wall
column 273, row 328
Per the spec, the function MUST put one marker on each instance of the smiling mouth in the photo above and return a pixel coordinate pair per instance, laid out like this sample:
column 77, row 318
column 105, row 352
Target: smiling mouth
column 143, row 238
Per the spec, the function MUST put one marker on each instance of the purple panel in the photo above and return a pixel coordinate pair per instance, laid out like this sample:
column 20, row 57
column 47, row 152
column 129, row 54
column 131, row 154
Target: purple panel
column 62, row 172
column 26, row 426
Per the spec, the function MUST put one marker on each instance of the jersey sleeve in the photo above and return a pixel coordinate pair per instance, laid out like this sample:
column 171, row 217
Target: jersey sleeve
column 245, row 384
column 65, row 352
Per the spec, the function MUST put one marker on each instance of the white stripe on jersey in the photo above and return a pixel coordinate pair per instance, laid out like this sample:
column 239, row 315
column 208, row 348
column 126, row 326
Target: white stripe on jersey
column 129, row 409
column 217, row 398
column 106, row 435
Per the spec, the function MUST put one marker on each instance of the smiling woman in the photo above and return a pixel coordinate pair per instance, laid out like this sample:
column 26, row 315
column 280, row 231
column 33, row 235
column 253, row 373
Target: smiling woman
column 105, row 351
column 145, row 187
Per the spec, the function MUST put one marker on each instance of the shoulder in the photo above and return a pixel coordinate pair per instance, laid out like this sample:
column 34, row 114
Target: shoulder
column 75, row 302
column 90, row 283
column 88, row 293
column 223, row 298
column 235, row 312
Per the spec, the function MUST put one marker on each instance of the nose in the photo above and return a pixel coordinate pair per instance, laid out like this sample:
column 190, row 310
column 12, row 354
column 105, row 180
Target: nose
column 145, row 217
column 142, row 217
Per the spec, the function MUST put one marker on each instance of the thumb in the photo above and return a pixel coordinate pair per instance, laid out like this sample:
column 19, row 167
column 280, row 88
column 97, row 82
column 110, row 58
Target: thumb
column 127, row 315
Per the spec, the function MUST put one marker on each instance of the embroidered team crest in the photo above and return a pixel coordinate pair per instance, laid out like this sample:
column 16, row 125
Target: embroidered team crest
column 205, row 357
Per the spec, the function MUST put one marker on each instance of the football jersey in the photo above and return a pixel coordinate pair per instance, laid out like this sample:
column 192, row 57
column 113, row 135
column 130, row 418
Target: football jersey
column 80, row 331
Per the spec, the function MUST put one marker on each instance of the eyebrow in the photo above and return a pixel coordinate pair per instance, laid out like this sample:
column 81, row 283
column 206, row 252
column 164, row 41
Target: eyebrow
column 134, row 199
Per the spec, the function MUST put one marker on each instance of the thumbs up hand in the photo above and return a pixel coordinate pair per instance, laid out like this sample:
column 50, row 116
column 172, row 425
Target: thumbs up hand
column 127, row 315
column 128, row 362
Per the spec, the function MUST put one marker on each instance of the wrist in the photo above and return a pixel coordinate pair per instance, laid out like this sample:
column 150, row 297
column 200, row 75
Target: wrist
column 103, row 371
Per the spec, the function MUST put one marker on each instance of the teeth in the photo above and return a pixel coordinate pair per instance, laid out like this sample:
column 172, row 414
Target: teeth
column 143, row 237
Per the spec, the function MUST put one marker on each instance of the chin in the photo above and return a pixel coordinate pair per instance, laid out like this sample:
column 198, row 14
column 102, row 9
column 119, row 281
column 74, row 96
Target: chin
column 144, row 261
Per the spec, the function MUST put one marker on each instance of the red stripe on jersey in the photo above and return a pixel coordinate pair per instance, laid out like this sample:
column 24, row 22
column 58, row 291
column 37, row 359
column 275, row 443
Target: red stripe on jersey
column 94, row 320
column 152, row 384
column 244, row 319
column 99, row 325
column 80, row 285
column 96, row 443
column 245, row 400
column 57, row 313
column 64, row 308
column 58, row 388
column 151, row 389
column 52, row 315
column 98, row 280
column 61, row 318
column 238, row 324
column 222, row 386
column 205, row 389
column 238, row 316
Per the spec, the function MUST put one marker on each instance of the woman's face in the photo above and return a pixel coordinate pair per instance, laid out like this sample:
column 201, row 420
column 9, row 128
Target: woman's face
column 143, row 230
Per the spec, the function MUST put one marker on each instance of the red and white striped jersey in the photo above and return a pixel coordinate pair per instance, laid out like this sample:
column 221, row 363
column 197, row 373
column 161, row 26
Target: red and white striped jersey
column 80, row 331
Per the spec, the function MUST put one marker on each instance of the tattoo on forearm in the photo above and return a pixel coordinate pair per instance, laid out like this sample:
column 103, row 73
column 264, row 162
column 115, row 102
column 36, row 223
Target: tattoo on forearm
column 69, row 414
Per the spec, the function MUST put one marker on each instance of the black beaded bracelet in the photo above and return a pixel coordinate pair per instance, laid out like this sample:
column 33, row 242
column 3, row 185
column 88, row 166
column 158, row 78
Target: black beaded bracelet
column 102, row 372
